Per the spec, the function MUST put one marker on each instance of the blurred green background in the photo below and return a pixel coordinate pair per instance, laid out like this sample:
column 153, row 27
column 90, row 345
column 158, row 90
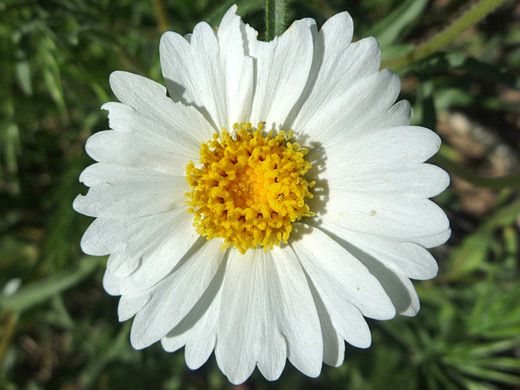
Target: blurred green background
column 59, row 329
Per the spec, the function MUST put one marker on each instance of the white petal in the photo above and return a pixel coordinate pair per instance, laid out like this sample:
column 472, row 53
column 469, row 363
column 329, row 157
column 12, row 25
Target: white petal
column 282, row 70
column 406, row 258
column 130, row 305
column 273, row 355
column 198, row 329
column 274, row 352
column 337, row 65
column 146, row 248
column 202, row 341
column 339, row 276
column 173, row 298
column 414, row 305
column 337, row 119
column 419, row 181
column 385, row 214
column 156, row 243
column 237, row 67
column 339, row 317
column 160, row 254
column 121, row 264
column 338, row 314
column 400, row 114
column 391, row 148
column 122, row 192
column 104, row 235
column 333, row 343
column 164, row 136
column 111, row 283
column 137, row 150
column 398, row 287
column 241, row 329
column 297, row 314
column 434, row 240
column 212, row 73
column 193, row 71
column 148, row 110
column 266, row 296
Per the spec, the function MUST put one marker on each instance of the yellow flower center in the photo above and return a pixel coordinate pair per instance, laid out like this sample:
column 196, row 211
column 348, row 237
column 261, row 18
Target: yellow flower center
column 249, row 188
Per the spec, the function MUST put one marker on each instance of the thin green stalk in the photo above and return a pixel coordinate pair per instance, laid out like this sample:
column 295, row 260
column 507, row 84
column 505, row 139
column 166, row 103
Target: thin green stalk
column 130, row 62
column 275, row 18
column 497, row 183
column 39, row 291
column 9, row 330
column 162, row 16
column 468, row 19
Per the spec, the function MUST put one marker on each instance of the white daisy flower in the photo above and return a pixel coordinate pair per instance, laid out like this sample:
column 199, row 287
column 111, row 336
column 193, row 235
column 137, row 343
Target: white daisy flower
column 265, row 202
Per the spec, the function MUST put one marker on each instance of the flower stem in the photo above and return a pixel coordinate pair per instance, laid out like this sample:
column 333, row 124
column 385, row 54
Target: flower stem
column 275, row 18
column 9, row 330
column 162, row 17
column 494, row 183
column 468, row 19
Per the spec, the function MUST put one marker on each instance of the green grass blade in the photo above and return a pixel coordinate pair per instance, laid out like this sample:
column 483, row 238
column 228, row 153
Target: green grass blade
column 467, row 20
column 41, row 290
column 389, row 28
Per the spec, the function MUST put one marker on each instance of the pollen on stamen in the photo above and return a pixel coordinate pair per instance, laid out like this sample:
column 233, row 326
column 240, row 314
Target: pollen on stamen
column 249, row 188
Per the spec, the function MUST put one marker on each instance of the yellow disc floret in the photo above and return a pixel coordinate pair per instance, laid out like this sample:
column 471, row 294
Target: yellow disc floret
column 250, row 188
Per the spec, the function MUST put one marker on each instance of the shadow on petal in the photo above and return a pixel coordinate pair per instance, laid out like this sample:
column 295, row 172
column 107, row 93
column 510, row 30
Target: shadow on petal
column 393, row 286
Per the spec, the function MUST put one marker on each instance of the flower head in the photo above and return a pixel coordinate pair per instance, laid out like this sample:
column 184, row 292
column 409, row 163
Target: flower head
column 267, row 201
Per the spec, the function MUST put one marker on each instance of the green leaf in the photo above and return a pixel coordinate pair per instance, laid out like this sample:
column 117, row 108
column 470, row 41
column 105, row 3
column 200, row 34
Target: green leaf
column 426, row 112
column 275, row 18
column 388, row 30
column 489, row 374
column 396, row 51
column 505, row 216
column 495, row 183
column 10, row 142
column 496, row 313
column 39, row 291
column 500, row 363
column 449, row 62
column 474, row 14
column 51, row 73
column 486, row 349
column 471, row 384
column 119, row 348
column 470, row 255
column 445, row 98
column 23, row 73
